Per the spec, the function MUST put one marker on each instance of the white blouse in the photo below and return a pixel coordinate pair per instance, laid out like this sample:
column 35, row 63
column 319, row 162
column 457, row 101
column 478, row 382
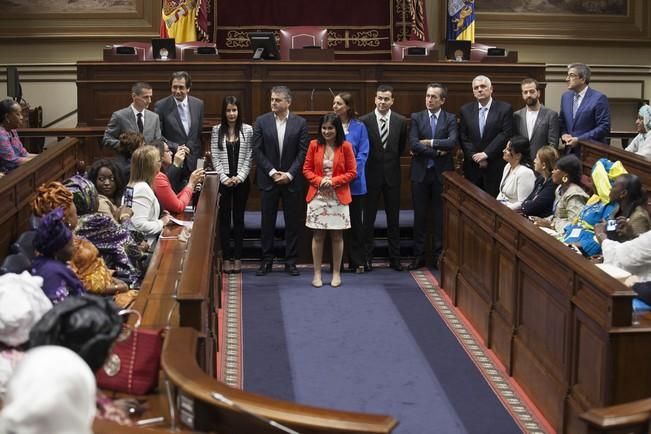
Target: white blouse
column 633, row 256
column 517, row 184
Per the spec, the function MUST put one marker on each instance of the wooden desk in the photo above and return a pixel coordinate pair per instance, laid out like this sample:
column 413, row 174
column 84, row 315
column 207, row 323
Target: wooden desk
column 635, row 164
column 561, row 327
column 18, row 187
column 103, row 87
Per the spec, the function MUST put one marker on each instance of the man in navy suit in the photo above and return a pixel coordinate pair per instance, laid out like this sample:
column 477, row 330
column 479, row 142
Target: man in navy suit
column 584, row 111
column 181, row 120
column 280, row 141
column 432, row 135
column 486, row 126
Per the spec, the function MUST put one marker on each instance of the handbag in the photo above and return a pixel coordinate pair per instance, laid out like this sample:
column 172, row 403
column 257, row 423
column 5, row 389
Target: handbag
column 134, row 363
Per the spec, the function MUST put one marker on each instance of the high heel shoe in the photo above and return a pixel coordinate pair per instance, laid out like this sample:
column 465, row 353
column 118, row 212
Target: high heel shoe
column 317, row 283
column 228, row 267
column 335, row 283
column 237, row 266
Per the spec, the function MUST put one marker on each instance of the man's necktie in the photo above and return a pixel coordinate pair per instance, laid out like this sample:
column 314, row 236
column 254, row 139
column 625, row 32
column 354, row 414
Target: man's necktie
column 432, row 122
column 384, row 132
column 482, row 120
column 575, row 104
column 184, row 118
column 141, row 127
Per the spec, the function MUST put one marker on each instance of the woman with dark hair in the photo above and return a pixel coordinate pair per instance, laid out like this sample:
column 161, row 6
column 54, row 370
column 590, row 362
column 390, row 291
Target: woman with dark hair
column 630, row 214
column 570, row 196
column 232, row 153
column 129, row 142
column 329, row 168
column 517, row 179
column 357, row 136
column 12, row 151
column 168, row 199
column 540, row 202
column 109, row 182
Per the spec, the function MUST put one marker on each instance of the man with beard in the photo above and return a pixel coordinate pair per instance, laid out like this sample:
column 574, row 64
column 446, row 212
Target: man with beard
column 535, row 121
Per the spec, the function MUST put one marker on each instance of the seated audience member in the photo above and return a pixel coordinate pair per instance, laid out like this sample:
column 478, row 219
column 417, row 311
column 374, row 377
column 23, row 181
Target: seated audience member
column 22, row 304
column 12, row 151
column 598, row 207
column 517, row 179
column 540, row 202
column 129, row 142
column 146, row 218
column 641, row 144
column 55, row 195
column 176, row 171
column 109, row 182
column 569, row 196
column 170, row 201
column 114, row 242
column 51, row 391
column 88, row 326
column 53, row 240
column 633, row 256
column 630, row 214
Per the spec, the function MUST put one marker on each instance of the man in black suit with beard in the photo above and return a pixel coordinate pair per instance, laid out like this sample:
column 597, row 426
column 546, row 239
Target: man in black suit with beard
column 486, row 126
column 280, row 141
column 432, row 136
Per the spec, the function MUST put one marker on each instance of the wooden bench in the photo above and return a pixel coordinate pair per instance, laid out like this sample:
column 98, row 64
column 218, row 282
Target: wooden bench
column 561, row 327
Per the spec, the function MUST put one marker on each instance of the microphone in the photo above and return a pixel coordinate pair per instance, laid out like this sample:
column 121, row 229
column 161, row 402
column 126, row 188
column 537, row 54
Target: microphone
column 221, row 398
column 331, row 92
column 312, row 99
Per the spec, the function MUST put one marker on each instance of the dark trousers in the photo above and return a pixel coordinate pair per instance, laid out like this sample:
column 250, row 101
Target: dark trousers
column 391, row 196
column 487, row 179
column 232, row 204
column 292, row 203
column 423, row 194
column 354, row 237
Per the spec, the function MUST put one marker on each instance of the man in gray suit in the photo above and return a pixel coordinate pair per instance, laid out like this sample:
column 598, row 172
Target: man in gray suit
column 181, row 119
column 135, row 118
column 535, row 121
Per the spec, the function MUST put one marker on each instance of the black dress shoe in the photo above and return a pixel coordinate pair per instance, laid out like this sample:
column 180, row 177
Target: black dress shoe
column 416, row 264
column 292, row 270
column 265, row 268
column 396, row 265
column 368, row 266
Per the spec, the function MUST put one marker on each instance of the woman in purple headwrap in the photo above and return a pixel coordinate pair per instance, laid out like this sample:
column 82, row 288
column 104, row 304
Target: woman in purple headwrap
column 53, row 241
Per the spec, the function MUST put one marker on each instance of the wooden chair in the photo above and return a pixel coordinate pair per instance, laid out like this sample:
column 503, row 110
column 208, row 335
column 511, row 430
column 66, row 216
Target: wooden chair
column 302, row 36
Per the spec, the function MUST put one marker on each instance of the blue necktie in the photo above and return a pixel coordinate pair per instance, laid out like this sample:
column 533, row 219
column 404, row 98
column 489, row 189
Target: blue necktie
column 575, row 104
column 432, row 122
column 482, row 120
column 184, row 118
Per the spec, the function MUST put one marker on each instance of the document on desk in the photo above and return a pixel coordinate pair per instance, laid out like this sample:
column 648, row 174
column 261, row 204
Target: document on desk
column 186, row 223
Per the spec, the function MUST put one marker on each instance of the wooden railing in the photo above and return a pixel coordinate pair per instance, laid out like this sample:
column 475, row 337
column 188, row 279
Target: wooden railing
column 631, row 418
column 561, row 327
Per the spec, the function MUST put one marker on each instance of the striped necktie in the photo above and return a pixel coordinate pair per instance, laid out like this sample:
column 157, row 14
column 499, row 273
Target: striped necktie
column 575, row 104
column 384, row 132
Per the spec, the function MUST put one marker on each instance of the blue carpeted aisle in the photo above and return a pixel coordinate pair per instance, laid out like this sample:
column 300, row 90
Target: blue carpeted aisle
column 375, row 345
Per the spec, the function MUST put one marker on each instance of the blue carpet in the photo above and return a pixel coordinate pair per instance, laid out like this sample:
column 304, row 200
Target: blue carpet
column 373, row 345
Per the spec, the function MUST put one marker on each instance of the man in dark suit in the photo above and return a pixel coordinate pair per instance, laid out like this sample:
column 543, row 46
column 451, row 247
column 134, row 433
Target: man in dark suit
column 383, row 172
column 280, row 141
column 181, row 119
column 534, row 120
column 432, row 136
column 486, row 126
column 134, row 118
column 584, row 111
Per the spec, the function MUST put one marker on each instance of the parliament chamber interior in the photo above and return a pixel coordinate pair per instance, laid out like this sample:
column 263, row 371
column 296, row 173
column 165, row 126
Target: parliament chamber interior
column 422, row 297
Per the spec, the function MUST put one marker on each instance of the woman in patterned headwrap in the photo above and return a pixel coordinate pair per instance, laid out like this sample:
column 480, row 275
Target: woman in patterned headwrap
column 53, row 240
column 641, row 144
column 55, row 195
column 113, row 241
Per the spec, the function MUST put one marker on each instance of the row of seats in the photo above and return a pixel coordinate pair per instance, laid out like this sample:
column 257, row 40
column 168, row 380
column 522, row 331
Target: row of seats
column 22, row 253
column 290, row 38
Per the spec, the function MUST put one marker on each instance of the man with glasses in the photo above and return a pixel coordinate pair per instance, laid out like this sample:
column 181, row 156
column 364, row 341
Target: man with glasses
column 584, row 111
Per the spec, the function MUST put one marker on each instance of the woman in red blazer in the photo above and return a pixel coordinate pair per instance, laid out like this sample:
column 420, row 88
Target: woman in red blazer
column 329, row 167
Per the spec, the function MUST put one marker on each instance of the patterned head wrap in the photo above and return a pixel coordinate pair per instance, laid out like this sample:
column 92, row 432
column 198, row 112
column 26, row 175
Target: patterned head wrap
column 84, row 194
column 645, row 113
column 50, row 196
column 52, row 233
column 22, row 304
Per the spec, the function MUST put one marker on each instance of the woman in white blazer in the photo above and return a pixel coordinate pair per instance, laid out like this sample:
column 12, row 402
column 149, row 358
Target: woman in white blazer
column 147, row 219
column 517, row 179
column 232, row 153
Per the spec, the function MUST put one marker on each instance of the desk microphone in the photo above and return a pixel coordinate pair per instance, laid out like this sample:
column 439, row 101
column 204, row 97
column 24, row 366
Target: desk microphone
column 331, row 92
column 312, row 99
column 221, row 398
